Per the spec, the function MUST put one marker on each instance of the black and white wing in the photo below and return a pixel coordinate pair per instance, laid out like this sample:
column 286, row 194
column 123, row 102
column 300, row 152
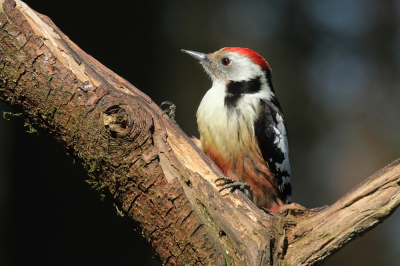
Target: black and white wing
column 271, row 134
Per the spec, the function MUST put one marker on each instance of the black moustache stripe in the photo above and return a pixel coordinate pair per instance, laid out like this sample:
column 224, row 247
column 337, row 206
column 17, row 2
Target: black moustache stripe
column 236, row 89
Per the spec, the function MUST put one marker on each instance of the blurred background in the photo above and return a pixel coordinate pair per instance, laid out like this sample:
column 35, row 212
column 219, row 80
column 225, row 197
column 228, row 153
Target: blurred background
column 336, row 71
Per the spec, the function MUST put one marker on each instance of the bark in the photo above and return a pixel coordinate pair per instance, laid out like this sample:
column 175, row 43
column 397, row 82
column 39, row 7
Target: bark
column 153, row 172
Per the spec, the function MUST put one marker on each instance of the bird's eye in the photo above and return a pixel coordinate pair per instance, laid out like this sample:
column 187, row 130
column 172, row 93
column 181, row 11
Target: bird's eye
column 225, row 61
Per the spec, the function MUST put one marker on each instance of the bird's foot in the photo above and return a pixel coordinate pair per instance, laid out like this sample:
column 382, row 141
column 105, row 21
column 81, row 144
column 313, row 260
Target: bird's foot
column 231, row 183
column 268, row 211
column 170, row 111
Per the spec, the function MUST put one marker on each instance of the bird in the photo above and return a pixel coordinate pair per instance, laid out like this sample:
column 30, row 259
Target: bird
column 242, row 127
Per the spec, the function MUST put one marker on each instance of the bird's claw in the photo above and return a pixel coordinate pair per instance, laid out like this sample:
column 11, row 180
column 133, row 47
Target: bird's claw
column 268, row 211
column 231, row 183
column 170, row 111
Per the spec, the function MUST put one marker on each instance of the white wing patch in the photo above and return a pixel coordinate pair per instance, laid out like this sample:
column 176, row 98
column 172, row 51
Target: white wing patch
column 285, row 180
column 282, row 142
column 279, row 140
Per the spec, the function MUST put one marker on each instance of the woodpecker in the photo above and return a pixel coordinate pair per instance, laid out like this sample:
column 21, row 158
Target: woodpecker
column 242, row 127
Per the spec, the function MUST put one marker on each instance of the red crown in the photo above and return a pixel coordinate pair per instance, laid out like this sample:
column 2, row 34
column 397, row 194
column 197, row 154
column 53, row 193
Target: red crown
column 255, row 57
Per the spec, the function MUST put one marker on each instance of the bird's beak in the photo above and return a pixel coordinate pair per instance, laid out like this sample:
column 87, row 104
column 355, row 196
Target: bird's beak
column 199, row 56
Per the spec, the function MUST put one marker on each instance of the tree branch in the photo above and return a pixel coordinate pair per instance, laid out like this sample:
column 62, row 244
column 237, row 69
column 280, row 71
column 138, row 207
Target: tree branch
column 153, row 172
column 317, row 234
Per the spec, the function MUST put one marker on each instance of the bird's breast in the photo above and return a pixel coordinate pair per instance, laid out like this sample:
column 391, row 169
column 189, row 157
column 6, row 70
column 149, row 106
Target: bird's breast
column 225, row 133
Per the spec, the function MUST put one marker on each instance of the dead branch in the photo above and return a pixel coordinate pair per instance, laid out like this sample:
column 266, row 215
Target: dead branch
column 153, row 172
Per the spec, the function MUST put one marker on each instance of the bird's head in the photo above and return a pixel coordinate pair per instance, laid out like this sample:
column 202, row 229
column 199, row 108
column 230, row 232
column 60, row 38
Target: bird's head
column 232, row 64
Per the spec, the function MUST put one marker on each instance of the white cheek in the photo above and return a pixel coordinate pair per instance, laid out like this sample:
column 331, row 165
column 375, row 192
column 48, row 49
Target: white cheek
column 242, row 68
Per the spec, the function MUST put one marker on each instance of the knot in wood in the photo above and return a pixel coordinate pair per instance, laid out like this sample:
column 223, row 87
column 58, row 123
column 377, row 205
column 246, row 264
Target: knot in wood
column 116, row 121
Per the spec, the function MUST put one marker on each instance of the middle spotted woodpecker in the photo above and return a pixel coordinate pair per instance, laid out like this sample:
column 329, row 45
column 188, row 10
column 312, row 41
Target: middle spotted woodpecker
column 242, row 127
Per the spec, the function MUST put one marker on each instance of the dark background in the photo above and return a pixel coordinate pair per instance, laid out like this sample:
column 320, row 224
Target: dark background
column 336, row 71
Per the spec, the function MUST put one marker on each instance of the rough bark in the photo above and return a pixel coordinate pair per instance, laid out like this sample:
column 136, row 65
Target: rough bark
column 153, row 172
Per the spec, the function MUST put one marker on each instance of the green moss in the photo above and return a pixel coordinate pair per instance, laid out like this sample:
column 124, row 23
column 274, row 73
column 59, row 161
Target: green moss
column 97, row 186
column 93, row 183
column 119, row 212
column 28, row 124
column 94, row 167
column 10, row 114
column 227, row 259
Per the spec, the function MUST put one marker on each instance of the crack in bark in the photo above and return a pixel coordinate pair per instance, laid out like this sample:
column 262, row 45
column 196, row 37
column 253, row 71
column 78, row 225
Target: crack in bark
column 169, row 210
column 197, row 229
column 36, row 58
column 184, row 220
column 19, row 78
column 27, row 40
column 133, row 202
